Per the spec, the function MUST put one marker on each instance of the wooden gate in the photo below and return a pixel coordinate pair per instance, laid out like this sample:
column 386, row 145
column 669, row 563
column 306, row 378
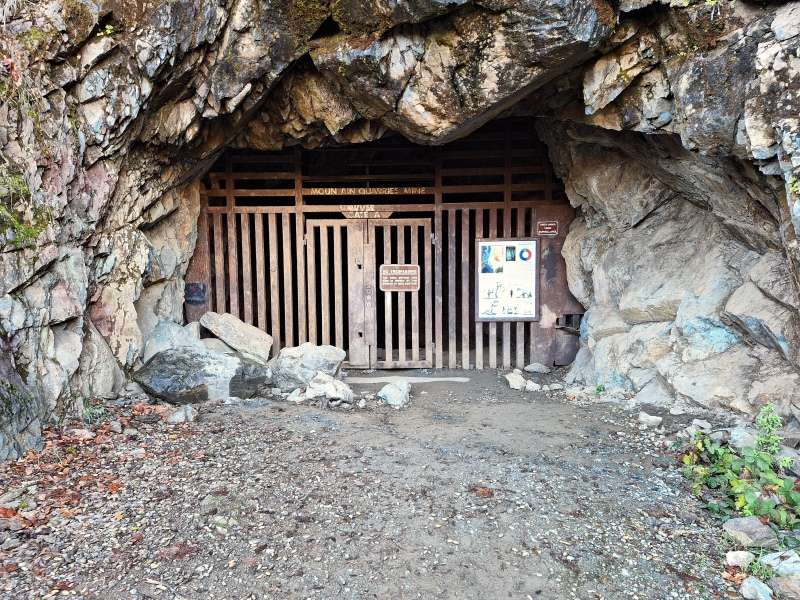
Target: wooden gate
column 293, row 242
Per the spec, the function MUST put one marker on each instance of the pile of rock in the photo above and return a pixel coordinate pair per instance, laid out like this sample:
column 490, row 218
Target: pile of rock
column 182, row 368
column 516, row 380
column 750, row 533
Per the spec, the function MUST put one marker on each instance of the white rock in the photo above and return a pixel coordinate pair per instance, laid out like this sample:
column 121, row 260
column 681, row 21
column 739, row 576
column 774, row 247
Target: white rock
column 296, row 366
column 247, row 340
column 739, row 558
column 649, row 420
column 515, row 380
column 742, row 437
column 536, row 368
column 532, row 386
column 297, row 396
column 325, row 386
column 185, row 414
column 701, row 424
column 396, row 394
column 755, row 589
column 555, row 387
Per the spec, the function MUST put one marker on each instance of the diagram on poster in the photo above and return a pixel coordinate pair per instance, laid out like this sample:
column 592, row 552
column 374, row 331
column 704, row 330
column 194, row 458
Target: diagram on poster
column 507, row 281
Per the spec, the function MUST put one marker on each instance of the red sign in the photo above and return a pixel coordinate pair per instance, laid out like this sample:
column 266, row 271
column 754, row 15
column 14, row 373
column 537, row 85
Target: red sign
column 547, row 228
column 399, row 278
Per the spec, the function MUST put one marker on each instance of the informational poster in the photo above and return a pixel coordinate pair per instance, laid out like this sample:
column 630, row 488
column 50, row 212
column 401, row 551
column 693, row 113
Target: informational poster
column 399, row 278
column 507, row 280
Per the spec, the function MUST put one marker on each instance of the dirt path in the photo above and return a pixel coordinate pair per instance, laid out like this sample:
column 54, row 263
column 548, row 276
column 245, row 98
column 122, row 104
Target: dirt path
column 476, row 491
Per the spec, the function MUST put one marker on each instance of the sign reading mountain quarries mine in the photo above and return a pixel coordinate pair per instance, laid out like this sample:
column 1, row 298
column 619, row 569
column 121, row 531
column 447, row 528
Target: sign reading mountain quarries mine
column 399, row 278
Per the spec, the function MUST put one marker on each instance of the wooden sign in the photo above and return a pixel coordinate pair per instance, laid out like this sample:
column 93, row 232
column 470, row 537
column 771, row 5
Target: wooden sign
column 507, row 280
column 547, row 228
column 367, row 191
column 399, row 278
column 363, row 211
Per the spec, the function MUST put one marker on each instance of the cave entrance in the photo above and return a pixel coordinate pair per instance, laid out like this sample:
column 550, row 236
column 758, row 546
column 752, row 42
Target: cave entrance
column 386, row 249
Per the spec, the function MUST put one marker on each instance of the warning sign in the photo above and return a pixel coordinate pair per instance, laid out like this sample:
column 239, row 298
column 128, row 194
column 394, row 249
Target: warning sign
column 399, row 278
column 547, row 228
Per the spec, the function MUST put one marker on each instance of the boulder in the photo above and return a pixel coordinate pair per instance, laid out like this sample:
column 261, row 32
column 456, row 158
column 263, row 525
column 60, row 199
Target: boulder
column 786, row 588
column 739, row 558
column 247, row 340
column 396, row 394
column 755, row 589
column 296, row 366
column 168, row 334
column 188, row 375
column 326, row 387
column 515, row 380
column 785, row 564
column 215, row 345
column 750, row 532
column 531, row 386
column 742, row 437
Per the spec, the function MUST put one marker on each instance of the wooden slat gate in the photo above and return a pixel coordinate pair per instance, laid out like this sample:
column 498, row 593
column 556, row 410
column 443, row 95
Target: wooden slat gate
column 293, row 242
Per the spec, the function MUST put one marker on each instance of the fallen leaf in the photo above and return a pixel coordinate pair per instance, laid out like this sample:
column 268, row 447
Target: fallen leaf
column 8, row 513
column 482, row 492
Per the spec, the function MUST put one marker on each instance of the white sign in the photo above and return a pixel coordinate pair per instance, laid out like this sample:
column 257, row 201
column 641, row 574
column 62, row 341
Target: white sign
column 507, row 280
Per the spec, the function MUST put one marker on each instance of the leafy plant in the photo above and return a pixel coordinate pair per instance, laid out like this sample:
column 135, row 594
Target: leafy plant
column 600, row 389
column 94, row 413
column 753, row 482
column 794, row 185
column 760, row 570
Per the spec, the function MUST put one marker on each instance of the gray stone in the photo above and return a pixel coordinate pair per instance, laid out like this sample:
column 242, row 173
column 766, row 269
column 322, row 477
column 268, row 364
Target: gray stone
column 755, row 589
column 187, row 375
column 296, row 366
column 326, row 387
column 742, row 437
column 168, row 334
column 396, row 394
column 655, row 393
column 739, row 558
column 184, row 414
column 115, row 426
column 536, row 368
column 532, row 386
column 515, row 380
column 785, row 564
column 247, row 340
column 786, row 588
column 750, row 532
column 649, row 420
column 215, row 345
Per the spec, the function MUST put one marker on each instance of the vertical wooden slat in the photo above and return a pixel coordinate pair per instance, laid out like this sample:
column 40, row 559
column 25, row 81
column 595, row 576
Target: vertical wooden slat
column 261, row 272
column 233, row 252
column 451, row 288
column 299, row 237
column 507, row 233
column 233, row 265
column 338, row 287
column 426, row 242
column 274, row 285
column 478, row 325
column 533, row 327
column 324, row 285
column 438, row 240
column 415, row 320
column 520, row 326
column 401, row 297
column 465, row 320
column 219, row 265
column 492, row 325
column 311, row 279
column 387, row 299
column 370, row 257
column 247, row 271
column 288, row 284
column 360, row 313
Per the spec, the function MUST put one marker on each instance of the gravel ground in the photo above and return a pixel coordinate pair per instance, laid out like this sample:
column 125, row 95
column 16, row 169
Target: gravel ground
column 475, row 491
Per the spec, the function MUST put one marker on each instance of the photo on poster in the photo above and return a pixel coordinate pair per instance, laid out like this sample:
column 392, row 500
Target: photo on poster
column 507, row 280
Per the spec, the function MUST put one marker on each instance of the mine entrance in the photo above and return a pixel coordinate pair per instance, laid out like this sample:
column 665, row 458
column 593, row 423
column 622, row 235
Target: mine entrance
column 375, row 248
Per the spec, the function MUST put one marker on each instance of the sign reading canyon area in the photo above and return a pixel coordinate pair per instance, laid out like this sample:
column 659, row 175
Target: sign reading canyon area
column 399, row 278
column 507, row 282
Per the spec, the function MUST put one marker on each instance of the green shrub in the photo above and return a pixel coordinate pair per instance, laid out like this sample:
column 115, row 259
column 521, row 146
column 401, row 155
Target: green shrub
column 752, row 482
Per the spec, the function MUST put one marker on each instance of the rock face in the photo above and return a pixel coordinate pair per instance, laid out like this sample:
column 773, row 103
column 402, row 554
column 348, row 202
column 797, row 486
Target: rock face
column 675, row 129
column 296, row 366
